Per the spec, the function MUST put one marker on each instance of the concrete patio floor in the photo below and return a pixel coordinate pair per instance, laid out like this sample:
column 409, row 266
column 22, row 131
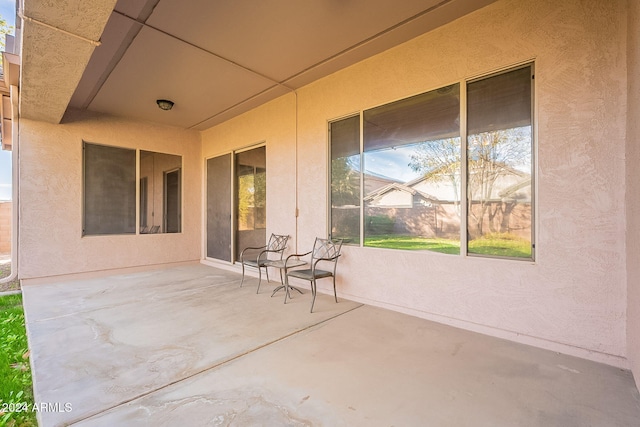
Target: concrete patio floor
column 187, row 346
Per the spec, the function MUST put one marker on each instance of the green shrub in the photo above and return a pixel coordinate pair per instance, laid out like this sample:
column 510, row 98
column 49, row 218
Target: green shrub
column 379, row 224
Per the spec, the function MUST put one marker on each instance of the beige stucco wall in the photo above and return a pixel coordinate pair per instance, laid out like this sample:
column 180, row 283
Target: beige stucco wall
column 573, row 298
column 50, row 238
column 633, row 183
column 6, row 211
column 273, row 124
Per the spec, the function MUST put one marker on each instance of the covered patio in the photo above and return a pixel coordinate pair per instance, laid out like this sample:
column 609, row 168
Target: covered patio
column 187, row 346
column 153, row 140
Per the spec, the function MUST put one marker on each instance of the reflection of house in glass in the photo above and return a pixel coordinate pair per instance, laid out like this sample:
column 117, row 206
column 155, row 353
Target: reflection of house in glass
column 429, row 206
column 421, row 207
column 507, row 206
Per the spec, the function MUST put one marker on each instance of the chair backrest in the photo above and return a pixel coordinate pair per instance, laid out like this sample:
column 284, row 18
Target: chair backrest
column 326, row 248
column 277, row 243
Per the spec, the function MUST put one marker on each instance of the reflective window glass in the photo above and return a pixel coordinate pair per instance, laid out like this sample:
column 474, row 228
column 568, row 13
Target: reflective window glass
column 345, row 179
column 412, row 173
column 499, row 165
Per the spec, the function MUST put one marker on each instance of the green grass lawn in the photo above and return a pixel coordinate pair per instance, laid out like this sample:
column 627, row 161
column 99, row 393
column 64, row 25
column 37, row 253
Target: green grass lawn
column 16, row 393
column 496, row 245
column 501, row 245
column 445, row 246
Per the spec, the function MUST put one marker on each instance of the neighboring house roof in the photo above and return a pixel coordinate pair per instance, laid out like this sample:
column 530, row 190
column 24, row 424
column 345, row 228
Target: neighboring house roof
column 510, row 186
column 513, row 185
column 511, row 192
column 374, row 181
column 376, row 195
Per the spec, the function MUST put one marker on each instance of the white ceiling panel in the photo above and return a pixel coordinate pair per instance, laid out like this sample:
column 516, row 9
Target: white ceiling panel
column 157, row 66
column 242, row 107
column 428, row 20
column 214, row 58
column 281, row 38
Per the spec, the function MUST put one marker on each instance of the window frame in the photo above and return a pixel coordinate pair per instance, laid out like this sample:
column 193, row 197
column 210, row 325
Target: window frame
column 360, row 178
column 137, row 192
column 533, row 163
column 464, row 144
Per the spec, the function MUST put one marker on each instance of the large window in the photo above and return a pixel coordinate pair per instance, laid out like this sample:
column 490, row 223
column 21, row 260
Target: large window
column 110, row 191
column 499, row 165
column 412, row 172
column 406, row 187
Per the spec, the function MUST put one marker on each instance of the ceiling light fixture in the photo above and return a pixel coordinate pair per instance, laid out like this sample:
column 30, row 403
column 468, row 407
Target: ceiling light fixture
column 165, row 104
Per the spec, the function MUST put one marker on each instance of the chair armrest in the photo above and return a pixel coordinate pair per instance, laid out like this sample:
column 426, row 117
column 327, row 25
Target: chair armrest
column 329, row 259
column 250, row 247
column 296, row 256
column 313, row 267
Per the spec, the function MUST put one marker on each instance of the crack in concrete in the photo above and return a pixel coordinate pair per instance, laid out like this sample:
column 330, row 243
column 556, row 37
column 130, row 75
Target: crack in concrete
column 210, row 368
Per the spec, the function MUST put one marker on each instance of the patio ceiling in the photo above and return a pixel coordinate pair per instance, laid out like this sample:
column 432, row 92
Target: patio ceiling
column 214, row 59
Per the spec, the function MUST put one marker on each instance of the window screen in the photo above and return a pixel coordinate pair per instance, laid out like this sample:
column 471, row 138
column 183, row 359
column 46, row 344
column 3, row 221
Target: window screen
column 109, row 190
column 345, row 179
column 412, row 173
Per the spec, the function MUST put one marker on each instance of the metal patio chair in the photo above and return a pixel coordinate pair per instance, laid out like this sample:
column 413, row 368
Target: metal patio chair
column 326, row 251
column 277, row 244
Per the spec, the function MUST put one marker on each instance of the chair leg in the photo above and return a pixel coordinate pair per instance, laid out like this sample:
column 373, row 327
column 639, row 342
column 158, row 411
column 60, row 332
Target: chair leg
column 313, row 292
column 259, row 279
column 335, row 295
column 242, row 281
column 286, row 286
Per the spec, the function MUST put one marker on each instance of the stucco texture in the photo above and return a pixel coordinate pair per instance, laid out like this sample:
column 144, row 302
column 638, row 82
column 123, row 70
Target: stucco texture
column 573, row 297
column 633, row 201
column 51, row 241
column 273, row 124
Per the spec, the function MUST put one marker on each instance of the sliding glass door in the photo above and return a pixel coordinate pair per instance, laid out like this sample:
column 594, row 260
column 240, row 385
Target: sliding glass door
column 251, row 199
column 219, row 207
column 236, row 203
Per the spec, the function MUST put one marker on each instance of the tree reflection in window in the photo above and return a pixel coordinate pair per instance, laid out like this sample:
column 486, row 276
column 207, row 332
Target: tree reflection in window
column 251, row 198
column 500, row 165
column 412, row 170
column 345, row 179
column 412, row 173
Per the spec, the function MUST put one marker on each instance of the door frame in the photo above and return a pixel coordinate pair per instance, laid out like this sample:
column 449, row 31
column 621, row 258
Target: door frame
column 165, row 206
column 233, row 219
